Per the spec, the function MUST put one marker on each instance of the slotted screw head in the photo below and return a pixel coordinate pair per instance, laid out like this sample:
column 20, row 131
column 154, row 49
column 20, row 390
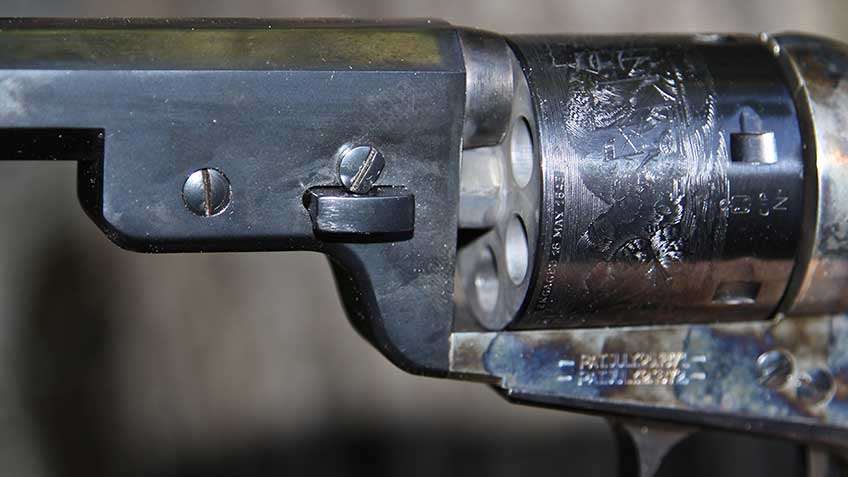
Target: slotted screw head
column 775, row 368
column 816, row 387
column 207, row 192
column 360, row 167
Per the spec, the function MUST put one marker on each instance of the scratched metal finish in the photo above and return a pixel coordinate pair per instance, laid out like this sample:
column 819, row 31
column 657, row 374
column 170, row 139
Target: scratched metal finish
column 690, row 373
column 637, row 196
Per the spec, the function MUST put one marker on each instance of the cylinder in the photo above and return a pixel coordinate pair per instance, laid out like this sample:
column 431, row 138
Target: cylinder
column 672, row 184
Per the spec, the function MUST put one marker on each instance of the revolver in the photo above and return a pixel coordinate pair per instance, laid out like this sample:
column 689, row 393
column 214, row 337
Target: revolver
column 651, row 228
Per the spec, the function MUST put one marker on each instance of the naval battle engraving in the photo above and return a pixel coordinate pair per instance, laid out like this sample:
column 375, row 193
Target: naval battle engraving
column 638, row 185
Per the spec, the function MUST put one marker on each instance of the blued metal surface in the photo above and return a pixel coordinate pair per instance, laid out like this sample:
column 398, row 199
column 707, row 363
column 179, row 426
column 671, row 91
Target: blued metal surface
column 270, row 107
column 385, row 211
column 730, row 248
column 49, row 144
column 667, row 230
column 645, row 219
column 705, row 374
column 818, row 69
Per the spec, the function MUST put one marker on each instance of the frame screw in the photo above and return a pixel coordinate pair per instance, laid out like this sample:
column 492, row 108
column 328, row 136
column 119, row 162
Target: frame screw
column 360, row 167
column 775, row 368
column 816, row 387
column 206, row 192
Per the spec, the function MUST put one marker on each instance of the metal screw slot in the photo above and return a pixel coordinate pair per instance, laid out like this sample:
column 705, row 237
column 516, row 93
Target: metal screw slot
column 207, row 192
column 360, row 167
column 775, row 368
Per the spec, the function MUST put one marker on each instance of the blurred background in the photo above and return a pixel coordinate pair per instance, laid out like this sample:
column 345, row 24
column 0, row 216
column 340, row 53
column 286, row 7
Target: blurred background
column 114, row 363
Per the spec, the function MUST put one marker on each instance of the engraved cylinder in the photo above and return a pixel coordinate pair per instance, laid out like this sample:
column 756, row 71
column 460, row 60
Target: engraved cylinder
column 673, row 180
